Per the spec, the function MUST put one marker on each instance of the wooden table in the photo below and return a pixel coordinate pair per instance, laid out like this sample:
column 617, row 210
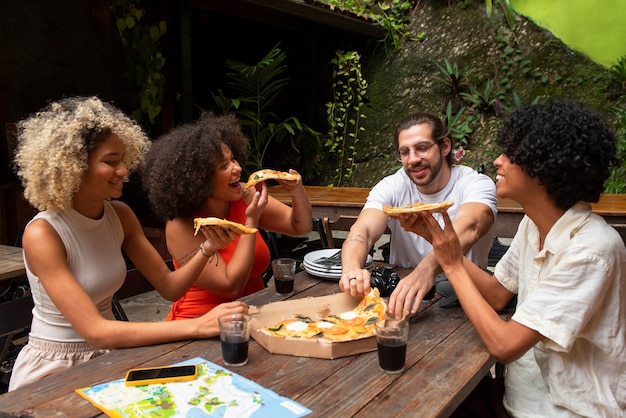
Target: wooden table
column 11, row 262
column 445, row 360
column 333, row 202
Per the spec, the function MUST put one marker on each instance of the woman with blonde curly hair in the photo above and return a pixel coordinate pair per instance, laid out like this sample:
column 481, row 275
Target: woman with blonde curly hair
column 73, row 158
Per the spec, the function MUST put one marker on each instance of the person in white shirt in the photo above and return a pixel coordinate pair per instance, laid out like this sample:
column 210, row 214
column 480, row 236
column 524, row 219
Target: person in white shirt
column 565, row 345
column 424, row 148
column 73, row 158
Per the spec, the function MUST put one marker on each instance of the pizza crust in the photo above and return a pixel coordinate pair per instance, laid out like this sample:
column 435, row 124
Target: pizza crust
column 417, row 207
column 266, row 174
column 237, row 227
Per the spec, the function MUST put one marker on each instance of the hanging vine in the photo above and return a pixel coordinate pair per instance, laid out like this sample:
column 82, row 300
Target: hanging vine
column 344, row 112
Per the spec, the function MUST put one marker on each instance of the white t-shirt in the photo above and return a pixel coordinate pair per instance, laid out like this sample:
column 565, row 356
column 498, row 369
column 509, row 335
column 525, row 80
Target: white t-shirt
column 573, row 292
column 465, row 185
column 94, row 255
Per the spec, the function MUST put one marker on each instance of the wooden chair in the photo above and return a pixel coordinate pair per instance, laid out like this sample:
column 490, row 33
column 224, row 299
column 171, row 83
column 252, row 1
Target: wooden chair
column 15, row 318
column 343, row 223
column 293, row 247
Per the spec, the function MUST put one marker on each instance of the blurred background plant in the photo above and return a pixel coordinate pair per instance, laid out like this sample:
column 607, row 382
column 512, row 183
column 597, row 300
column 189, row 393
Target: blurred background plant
column 507, row 9
column 254, row 94
column 618, row 71
column 455, row 79
column 393, row 15
column 616, row 182
column 144, row 58
column 460, row 125
column 485, row 101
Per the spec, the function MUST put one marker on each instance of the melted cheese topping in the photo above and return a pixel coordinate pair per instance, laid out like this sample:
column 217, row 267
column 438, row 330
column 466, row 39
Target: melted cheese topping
column 325, row 324
column 297, row 326
column 348, row 315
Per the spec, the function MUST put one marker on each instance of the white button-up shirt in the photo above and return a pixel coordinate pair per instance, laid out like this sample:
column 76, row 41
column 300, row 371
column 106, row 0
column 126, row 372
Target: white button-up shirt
column 573, row 292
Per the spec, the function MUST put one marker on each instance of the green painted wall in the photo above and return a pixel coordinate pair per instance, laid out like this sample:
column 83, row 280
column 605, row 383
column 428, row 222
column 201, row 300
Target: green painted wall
column 596, row 28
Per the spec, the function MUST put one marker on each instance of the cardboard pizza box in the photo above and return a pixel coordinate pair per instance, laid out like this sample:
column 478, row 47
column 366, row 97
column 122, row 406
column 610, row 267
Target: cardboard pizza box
column 315, row 308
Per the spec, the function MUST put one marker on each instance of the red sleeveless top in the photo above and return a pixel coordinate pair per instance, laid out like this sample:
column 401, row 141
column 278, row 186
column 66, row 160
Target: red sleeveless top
column 197, row 301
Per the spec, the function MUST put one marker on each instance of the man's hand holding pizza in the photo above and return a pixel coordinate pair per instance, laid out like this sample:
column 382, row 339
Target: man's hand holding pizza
column 445, row 241
column 472, row 221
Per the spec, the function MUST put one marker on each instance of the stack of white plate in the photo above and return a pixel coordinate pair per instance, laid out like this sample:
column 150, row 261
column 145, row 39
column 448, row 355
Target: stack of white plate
column 314, row 266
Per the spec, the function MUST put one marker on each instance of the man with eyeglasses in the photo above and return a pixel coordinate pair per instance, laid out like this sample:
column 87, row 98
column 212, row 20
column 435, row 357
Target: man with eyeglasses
column 424, row 148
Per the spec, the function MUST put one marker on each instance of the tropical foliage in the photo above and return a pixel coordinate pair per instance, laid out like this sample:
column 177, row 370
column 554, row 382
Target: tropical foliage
column 254, row 95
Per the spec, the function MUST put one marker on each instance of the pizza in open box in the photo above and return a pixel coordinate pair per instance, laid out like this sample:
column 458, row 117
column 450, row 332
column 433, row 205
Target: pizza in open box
column 237, row 227
column 346, row 326
column 266, row 174
column 417, row 207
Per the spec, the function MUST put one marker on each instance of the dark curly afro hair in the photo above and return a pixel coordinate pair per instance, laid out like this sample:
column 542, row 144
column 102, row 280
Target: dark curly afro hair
column 568, row 148
column 178, row 170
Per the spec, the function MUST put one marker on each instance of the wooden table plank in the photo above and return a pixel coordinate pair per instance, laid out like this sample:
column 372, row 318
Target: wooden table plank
column 53, row 395
column 11, row 262
column 353, row 389
column 453, row 378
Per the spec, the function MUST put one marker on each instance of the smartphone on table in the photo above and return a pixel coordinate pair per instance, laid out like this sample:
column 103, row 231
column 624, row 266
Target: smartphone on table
column 164, row 374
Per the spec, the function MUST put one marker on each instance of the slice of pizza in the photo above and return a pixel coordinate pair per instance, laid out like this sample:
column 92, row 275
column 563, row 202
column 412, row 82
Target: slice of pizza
column 346, row 326
column 266, row 174
column 237, row 227
column 417, row 207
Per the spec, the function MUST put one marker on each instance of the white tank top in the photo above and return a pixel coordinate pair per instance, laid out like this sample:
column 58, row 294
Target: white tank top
column 94, row 255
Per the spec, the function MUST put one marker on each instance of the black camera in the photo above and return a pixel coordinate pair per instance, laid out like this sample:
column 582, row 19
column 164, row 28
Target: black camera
column 384, row 279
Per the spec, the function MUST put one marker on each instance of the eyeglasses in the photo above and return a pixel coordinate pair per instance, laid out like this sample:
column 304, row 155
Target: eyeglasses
column 420, row 150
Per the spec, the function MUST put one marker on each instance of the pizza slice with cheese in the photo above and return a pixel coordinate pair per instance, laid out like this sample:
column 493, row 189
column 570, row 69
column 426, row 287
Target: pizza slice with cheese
column 237, row 227
column 346, row 326
column 417, row 207
column 267, row 174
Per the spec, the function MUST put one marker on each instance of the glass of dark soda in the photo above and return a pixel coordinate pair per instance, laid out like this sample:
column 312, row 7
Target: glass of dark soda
column 284, row 270
column 235, row 336
column 391, row 337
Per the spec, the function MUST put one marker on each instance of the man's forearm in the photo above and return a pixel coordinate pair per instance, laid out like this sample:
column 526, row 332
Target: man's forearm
column 354, row 252
column 428, row 267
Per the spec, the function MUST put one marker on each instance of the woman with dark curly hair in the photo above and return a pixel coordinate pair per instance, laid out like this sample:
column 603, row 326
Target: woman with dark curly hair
column 195, row 171
column 73, row 158
column 565, row 345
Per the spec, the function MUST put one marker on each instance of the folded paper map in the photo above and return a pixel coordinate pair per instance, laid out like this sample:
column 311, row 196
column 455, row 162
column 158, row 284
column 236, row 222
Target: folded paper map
column 217, row 392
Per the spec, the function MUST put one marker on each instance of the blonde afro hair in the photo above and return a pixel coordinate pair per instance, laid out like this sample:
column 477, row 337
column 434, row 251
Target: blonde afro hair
column 54, row 143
